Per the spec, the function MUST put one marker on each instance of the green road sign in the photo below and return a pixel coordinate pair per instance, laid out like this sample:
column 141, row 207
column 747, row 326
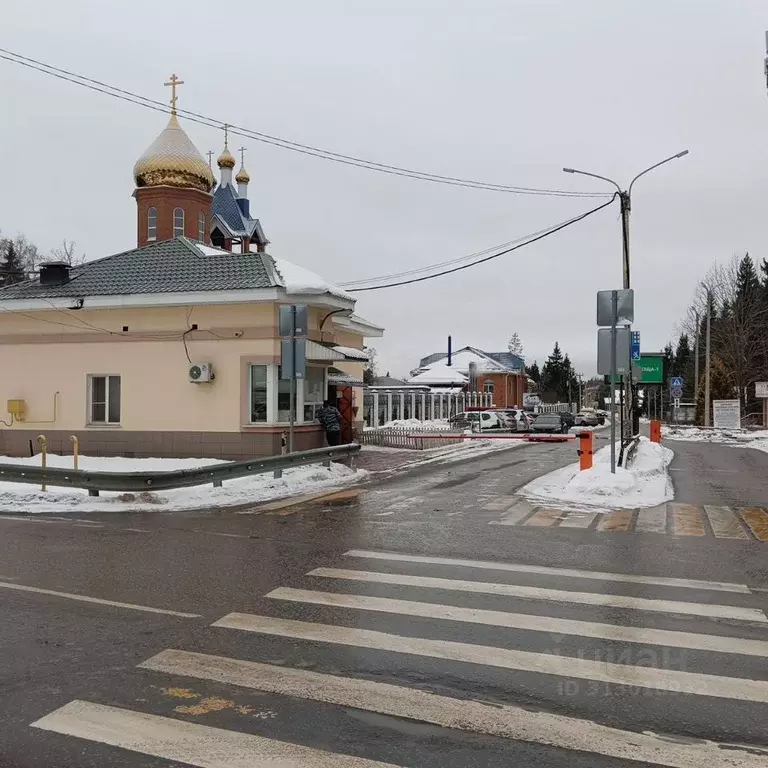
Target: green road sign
column 653, row 369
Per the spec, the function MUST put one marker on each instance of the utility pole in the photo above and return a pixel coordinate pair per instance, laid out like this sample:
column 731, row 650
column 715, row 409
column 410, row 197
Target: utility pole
column 625, row 196
column 696, row 360
column 707, row 359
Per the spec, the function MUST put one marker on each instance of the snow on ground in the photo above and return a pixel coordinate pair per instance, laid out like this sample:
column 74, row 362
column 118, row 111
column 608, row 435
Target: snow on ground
column 21, row 497
column 645, row 484
column 751, row 438
column 466, row 450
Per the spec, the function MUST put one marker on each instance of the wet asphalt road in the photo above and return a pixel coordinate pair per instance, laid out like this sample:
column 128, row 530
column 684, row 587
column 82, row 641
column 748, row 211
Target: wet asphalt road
column 712, row 473
column 56, row 649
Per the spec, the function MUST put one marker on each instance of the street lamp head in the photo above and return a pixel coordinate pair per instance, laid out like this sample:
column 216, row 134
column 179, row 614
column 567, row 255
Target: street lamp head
column 681, row 154
column 569, row 170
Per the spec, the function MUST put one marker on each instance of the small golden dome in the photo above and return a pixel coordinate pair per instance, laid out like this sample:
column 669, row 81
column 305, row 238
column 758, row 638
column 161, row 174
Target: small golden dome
column 225, row 159
column 173, row 160
column 242, row 176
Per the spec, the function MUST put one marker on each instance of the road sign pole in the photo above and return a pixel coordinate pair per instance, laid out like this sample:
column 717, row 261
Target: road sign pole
column 614, row 307
column 292, row 397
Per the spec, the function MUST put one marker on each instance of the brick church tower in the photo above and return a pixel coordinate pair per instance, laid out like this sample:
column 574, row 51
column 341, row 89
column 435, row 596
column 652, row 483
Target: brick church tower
column 173, row 186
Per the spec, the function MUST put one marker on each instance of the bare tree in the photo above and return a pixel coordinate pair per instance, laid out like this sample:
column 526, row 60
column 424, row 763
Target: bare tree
column 733, row 298
column 67, row 253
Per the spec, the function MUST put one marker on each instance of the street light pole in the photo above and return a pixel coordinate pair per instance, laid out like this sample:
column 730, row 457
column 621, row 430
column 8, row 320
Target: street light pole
column 707, row 359
column 625, row 198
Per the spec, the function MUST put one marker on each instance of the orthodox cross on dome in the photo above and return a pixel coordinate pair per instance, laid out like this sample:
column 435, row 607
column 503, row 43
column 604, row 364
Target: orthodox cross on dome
column 242, row 152
column 210, row 155
column 173, row 82
column 226, row 135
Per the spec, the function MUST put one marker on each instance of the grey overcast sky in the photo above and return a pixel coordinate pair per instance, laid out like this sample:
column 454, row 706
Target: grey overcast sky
column 506, row 91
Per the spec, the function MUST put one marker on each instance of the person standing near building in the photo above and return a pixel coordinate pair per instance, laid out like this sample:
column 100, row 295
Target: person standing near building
column 329, row 417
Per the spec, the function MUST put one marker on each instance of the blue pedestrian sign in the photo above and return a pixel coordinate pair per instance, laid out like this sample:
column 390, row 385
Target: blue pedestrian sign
column 635, row 345
column 676, row 382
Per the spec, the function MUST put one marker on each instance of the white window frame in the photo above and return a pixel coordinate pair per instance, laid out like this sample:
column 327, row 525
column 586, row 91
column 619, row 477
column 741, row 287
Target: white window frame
column 488, row 386
column 106, row 377
column 176, row 228
column 152, row 224
column 201, row 227
column 323, row 396
column 272, row 385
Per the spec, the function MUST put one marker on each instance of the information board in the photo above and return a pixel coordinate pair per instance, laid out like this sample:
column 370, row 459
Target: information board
column 727, row 414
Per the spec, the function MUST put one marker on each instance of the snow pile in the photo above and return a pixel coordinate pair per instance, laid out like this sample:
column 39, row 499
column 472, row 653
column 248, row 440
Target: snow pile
column 589, row 428
column 645, row 484
column 21, row 497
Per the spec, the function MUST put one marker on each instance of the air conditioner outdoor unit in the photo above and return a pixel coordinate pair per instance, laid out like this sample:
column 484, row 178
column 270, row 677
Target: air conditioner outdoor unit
column 201, row 373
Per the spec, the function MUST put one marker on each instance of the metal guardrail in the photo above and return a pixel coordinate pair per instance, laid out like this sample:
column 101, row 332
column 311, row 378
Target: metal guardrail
column 216, row 474
column 628, row 451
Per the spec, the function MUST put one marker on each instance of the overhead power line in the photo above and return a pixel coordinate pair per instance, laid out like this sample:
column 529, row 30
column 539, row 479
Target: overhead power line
column 307, row 149
column 527, row 241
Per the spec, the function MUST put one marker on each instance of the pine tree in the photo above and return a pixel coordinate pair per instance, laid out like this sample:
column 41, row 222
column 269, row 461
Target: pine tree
column 515, row 345
column 534, row 372
column 683, row 365
column 11, row 270
column 552, row 372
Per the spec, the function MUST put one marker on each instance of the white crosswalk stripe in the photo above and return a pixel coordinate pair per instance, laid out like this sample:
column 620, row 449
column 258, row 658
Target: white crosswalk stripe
column 188, row 743
column 541, row 593
column 702, row 642
column 440, row 608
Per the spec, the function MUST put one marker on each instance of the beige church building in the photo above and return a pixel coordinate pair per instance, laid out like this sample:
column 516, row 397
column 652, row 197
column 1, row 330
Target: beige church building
column 172, row 348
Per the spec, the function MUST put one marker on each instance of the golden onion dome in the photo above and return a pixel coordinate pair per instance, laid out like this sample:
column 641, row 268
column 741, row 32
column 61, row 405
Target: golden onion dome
column 225, row 159
column 173, row 160
column 242, row 176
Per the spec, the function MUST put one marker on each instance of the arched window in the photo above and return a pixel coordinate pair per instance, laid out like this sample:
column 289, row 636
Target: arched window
column 152, row 224
column 178, row 222
column 488, row 386
column 201, row 227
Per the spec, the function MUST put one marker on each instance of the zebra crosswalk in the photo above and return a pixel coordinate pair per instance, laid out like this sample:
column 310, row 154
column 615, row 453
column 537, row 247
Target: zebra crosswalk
column 622, row 667
column 671, row 518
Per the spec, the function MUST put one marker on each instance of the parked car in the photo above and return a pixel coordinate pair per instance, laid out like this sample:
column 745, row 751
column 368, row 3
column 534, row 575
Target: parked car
column 485, row 420
column 514, row 419
column 551, row 423
column 568, row 418
column 587, row 419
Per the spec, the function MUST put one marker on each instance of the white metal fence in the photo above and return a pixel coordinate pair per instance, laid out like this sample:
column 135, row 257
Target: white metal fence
column 382, row 406
column 555, row 407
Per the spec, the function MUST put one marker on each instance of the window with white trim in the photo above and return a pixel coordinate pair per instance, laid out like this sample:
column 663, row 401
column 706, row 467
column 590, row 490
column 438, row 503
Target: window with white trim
column 201, row 227
column 269, row 396
column 152, row 224
column 488, row 386
column 104, row 399
column 259, row 393
column 314, row 392
column 284, row 398
column 178, row 222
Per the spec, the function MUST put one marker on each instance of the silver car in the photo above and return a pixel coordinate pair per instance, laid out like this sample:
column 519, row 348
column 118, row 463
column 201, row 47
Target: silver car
column 587, row 419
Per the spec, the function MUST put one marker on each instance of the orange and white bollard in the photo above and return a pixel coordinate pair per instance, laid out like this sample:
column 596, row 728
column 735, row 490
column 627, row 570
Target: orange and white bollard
column 586, row 450
column 655, row 431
